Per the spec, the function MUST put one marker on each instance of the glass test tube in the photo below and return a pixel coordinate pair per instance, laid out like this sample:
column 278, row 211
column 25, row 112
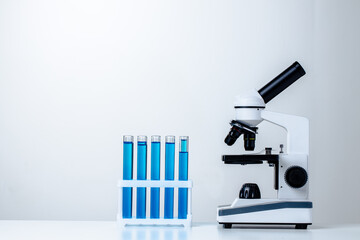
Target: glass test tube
column 141, row 175
column 169, row 175
column 127, row 175
column 183, row 176
column 155, row 175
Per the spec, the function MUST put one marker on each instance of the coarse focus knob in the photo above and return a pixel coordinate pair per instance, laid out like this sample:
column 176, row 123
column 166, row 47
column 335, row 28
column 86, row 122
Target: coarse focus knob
column 250, row 191
column 296, row 177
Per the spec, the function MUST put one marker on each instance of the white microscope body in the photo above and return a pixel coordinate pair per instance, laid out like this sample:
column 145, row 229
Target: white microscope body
column 292, row 206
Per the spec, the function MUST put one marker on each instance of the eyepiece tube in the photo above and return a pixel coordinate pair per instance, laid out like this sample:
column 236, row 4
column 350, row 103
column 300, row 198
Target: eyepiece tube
column 281, row 82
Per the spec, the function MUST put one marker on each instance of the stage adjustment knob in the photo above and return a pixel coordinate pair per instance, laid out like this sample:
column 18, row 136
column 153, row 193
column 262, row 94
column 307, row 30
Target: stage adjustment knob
column 250, row 191
column 296, row 177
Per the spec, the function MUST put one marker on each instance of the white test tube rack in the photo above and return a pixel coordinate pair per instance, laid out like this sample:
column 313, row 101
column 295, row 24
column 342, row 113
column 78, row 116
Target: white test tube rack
column 123, row 222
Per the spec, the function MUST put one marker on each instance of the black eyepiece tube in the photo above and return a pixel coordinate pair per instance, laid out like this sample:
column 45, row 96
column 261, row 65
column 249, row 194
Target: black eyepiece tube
column 281, row 82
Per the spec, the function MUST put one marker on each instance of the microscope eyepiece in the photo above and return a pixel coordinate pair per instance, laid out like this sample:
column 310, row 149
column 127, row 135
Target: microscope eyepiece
column 281, row 82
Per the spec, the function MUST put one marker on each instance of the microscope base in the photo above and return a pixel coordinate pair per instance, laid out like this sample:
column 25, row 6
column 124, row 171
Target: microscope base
column 266, row 211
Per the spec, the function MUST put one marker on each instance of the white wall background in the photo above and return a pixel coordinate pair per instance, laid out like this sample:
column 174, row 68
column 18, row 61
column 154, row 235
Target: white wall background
column 77, row 75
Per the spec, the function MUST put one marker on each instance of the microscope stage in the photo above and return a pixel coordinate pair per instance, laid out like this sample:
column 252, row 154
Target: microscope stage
column 250, row 159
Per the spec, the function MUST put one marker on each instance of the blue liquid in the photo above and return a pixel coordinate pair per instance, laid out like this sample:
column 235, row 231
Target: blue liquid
column 183, row 192
column 155, row 175
column 169, row 175
column 127, row 175
column 141, row 175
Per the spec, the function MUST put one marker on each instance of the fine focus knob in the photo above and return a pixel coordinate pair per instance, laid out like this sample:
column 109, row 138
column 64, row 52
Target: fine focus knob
column 250, row 191
column 296, row 177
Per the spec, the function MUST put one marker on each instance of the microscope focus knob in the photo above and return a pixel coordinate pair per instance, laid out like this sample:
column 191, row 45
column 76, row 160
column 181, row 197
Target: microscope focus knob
column 250, row 191
column 296, row 177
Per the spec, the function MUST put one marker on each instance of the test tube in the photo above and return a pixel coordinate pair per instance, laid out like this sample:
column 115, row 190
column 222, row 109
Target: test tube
column 127, row 175
column 183, row 176
column 155, row 175
column 141, row 175
column 169, row 175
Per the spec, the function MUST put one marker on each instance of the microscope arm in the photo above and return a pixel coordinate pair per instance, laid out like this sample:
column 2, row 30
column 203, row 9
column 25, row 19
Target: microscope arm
column 297, row 130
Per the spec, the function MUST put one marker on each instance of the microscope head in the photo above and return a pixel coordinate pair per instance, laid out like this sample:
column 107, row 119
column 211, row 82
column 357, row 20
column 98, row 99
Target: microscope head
column 248, row 107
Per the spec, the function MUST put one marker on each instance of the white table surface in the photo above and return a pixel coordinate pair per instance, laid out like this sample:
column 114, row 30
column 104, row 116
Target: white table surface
column 89, row 230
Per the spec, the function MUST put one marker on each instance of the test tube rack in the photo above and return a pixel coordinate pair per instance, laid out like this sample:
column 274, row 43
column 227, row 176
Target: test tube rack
column 155, row 221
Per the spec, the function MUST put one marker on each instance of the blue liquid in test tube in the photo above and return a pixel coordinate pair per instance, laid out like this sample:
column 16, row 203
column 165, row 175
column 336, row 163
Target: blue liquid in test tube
column 127, row 175
column 183, row 176
column 141, row 175
column 155, row 175
column 169, row 175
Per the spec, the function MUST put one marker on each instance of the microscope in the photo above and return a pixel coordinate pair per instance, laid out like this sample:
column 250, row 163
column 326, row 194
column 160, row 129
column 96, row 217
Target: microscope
column 291, row 207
